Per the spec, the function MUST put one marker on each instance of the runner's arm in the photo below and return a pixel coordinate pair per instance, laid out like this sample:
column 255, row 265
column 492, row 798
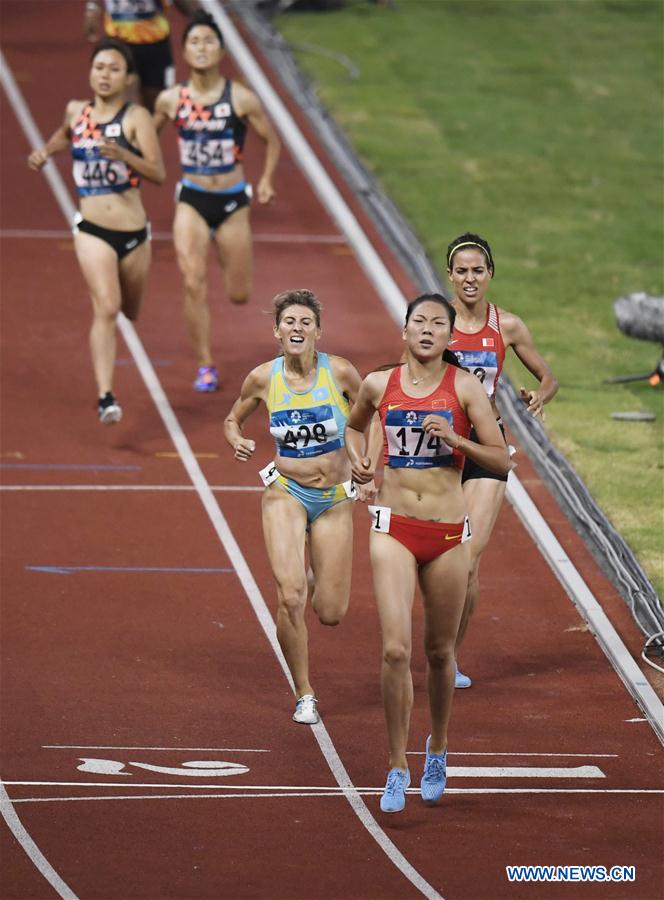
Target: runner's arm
column 520, row 339
column 151, row 164
column 359, row 449
column 164, row 110
column 248, row 106
column 57, row 142
column 252, row 392
column 491, row 451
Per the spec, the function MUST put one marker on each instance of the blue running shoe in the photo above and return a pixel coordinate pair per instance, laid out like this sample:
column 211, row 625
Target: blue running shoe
column 207, row 379
column 433, row 781
column 394, row 796
column 461, row 680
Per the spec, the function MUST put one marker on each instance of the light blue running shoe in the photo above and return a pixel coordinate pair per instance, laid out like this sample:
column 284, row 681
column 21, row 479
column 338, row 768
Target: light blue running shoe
column 394, row 796
column 461, row 680
column 434, row 779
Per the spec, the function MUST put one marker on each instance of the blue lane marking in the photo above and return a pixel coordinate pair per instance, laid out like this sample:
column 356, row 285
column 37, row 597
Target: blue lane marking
column 68, row 466
column 67, row 570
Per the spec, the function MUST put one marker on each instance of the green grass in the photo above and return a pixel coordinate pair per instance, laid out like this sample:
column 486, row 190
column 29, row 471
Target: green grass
column 536, row 123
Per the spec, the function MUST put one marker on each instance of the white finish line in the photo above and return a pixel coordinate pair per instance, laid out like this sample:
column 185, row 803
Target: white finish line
column 326, row 792
column 452, row 772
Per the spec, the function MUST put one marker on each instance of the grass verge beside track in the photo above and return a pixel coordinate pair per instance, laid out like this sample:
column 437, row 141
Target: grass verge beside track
column 536, row 124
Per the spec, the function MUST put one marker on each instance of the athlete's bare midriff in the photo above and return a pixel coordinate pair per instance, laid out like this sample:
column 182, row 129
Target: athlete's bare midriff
column 122, row 212
column 320, row 471
column 433, row 495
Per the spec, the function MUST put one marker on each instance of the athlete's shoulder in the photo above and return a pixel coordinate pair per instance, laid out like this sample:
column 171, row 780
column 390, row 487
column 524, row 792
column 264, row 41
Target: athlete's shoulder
column 168, row 99
column 74, row 108
column 244, row 100
column 259, row 378
column 512, row 327
column 135, row 114
column 376, row 381
column 339, row 364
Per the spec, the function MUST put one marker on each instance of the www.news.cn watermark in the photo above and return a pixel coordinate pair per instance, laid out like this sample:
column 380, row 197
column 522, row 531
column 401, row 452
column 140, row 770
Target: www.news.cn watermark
column 571, row 873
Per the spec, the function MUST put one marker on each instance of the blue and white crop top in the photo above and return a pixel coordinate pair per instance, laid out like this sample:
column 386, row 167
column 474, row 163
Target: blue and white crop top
column 310, row 423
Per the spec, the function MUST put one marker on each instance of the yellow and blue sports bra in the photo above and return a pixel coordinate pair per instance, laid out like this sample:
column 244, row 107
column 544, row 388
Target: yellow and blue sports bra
column 309, row 423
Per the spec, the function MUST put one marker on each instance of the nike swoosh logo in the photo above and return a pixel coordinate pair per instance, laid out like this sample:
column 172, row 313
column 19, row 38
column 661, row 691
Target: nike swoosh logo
column 452, row 537
column 394, row 405
column 449, row 343
column 130, row 244
column 230, row 207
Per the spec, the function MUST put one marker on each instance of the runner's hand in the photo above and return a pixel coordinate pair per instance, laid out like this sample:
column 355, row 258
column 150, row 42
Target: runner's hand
column 264, row 191
column 244, row 449
column 363, row 471
column 38, row 159
column 367, row 492
column 111, row 150
column 439, row 427
column 534, row 402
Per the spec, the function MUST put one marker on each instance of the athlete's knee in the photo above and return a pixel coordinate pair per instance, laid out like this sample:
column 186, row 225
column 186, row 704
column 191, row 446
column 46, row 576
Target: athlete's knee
column 330, row 613
column 440, row 653
column 292, row 598
column 195, row 285
column 106, row 310
column 238, row 297
column 396, row 655
column 131, row 309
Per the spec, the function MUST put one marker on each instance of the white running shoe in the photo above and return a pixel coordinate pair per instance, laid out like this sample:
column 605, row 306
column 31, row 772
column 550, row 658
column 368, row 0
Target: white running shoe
column 305, row 710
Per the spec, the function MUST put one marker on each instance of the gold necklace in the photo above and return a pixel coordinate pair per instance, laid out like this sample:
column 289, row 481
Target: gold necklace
column 418, row 380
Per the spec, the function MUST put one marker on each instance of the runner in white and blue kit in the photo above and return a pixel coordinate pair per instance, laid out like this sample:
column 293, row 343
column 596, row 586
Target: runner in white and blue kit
column 308, row 490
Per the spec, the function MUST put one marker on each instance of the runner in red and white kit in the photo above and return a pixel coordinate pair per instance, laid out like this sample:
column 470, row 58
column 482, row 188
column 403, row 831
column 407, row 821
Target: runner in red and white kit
column 482, row 333
column 427, row 406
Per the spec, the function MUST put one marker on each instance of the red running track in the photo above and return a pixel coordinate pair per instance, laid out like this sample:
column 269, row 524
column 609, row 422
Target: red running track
column 133, row 660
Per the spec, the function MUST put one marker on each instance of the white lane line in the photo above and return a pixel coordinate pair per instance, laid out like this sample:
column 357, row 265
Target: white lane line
column 217, row 518
column 216, row 488
column 586, row 603
column 387, row 289
column 61, row 233
column 331, row 792
column 34, row 853
column 452, row 772
column 168, row 749
column 252, row 750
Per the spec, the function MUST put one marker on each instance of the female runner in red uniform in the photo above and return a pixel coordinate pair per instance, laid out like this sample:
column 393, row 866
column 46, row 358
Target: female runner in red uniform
column 114, row 145
column 482, row 333
column 426, row 406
